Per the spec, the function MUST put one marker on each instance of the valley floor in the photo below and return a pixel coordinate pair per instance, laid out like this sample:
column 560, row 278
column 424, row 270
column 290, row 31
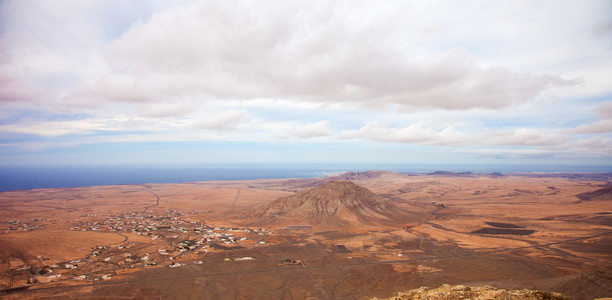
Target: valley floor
column 193, row 240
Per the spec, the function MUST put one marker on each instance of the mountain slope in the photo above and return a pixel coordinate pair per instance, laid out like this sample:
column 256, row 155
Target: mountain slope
column 336, row 203
column 603, row 194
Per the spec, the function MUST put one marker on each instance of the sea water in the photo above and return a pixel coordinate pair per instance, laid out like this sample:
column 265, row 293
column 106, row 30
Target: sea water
column 33, row 177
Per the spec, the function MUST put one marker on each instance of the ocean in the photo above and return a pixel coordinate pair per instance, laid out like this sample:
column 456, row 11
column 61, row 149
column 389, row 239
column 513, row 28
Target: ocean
column 35, row 177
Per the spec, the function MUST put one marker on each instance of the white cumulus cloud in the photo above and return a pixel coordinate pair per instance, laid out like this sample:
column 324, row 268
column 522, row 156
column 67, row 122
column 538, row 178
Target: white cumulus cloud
column 229, row 120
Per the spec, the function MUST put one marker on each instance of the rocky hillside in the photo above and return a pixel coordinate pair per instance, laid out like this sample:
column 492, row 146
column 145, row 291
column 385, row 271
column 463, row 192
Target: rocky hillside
column 336, row 203
column 446, row 292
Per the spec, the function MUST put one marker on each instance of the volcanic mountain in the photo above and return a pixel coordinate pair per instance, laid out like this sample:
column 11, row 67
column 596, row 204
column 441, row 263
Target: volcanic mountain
column 334, row 204
column 371, row 176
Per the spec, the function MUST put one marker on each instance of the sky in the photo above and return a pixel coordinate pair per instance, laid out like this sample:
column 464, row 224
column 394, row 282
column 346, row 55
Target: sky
column 200, row 82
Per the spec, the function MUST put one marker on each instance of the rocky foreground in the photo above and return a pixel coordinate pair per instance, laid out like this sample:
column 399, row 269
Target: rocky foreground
column 465, row 292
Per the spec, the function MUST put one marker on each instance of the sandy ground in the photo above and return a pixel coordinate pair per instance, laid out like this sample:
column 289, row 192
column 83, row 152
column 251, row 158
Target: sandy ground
column 97, row 239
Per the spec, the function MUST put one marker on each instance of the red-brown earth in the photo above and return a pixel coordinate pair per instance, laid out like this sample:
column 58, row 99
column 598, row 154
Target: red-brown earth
column 373, row 234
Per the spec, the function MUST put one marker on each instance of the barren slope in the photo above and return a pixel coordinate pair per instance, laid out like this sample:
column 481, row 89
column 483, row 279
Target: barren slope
column 603, row 194
column 336, row 203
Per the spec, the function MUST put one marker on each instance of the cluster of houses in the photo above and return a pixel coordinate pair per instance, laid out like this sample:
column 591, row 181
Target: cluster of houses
column 18, row 225
column 174, row 239
column 138, row 222
column 171, row 228
column 291, row 262
column 176, row 234
column 61, row 271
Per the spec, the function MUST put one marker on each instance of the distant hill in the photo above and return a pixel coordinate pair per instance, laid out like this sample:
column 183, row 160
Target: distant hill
column 448, row 173
column 352, row 176
column 334, row 204
column 603, row 194
column 366, row 175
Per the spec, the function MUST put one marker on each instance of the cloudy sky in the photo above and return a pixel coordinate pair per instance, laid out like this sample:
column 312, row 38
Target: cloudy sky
column 165, row 82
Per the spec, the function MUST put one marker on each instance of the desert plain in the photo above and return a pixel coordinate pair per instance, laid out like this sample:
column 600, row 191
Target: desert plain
column 352, row 236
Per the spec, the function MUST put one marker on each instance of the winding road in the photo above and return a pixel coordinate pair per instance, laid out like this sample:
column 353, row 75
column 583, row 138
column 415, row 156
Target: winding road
column 156, row 201
column 235, row 199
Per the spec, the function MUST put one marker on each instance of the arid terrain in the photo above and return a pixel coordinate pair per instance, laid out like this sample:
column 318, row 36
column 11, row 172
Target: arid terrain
column 354, row 236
